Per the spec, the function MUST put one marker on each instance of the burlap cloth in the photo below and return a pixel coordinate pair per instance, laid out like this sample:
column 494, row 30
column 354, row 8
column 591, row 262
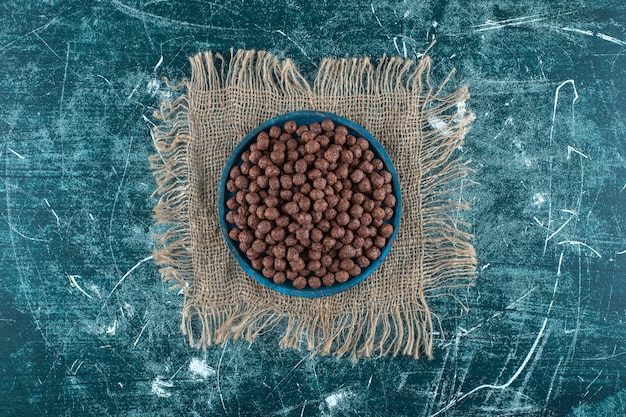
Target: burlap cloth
column 388, row 313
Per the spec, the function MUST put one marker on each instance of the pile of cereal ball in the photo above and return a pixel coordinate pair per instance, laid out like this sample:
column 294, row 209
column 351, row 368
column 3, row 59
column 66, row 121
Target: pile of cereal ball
column 310, row 204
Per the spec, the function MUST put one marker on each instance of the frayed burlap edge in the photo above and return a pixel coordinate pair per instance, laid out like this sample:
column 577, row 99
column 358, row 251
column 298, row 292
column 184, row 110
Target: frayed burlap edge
column 446, row 256
column 171, row 139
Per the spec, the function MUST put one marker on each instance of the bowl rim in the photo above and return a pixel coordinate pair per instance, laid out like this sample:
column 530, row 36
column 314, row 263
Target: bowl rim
column 235, row 158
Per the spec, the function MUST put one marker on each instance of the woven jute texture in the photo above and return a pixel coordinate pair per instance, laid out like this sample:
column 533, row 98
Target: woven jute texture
column 418, row 125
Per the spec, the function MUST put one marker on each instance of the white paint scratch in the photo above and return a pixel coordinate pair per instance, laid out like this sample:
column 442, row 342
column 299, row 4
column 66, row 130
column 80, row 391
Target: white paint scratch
column 158, row 64
column 48, row 46
column 112, row 328
column 571, row 149
column 437, row 124
column 514, row 303
column 538, row 200
column 554, row 375
column 557, row 231
column 558, row 271
column 403, row 377
column 593, row 381
column 105, row 79
column 395, row 43
column 217, row 376
column 153, row 87
column 15, row 153
column 74, row 284
column 146, row 259
column 159, row 387
column 498, row 24
column 140, row 333
column 132, row 93
column 599, row 35
column 73, row 371
column 556, row 102
column 177, row 371
column 577, row 243
column 334, row 399
column 34, row 239
column 67, row 60
column 610, row 39
column 53, row 212
column 201, row 368
column 374, row 13
column 151, row 123
column 605, row 357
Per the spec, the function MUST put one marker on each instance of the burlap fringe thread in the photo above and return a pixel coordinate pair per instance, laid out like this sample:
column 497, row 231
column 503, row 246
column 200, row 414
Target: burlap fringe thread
column 399, row 323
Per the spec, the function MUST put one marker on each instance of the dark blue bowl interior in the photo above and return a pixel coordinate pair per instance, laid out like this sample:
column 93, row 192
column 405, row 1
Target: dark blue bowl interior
column 305, row 117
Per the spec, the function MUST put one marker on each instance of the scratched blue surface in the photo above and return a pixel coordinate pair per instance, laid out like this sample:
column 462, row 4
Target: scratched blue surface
column 87, row 327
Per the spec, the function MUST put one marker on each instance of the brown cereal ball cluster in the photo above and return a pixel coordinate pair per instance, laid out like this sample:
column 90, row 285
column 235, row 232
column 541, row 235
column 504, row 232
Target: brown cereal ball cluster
column 310, row 204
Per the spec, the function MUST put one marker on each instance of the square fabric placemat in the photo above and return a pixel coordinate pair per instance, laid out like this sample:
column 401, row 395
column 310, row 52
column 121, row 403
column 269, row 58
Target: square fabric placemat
column 419, row 127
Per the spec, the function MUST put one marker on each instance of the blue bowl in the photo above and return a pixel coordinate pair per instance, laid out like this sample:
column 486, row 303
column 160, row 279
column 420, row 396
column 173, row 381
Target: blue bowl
column 305, row 117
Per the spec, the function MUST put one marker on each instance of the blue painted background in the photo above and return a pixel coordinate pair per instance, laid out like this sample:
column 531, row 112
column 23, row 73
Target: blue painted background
column 87, row 327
